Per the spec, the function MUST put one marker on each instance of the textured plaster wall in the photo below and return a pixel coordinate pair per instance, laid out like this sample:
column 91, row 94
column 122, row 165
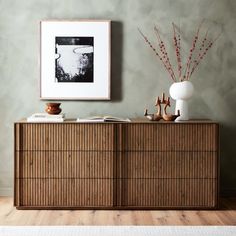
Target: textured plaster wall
column 137, row 76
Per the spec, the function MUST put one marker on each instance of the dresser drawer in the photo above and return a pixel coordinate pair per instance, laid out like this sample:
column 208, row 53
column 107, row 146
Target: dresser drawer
column 168, row 164
column 66, row 164
column 169, row 137
column 169, row 193
column 64, row 137
column 65, row 192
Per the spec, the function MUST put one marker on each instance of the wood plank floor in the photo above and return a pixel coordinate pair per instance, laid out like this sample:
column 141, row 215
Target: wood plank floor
column 10, row 216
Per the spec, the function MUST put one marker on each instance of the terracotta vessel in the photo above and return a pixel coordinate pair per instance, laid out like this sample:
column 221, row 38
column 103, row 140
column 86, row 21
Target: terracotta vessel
column 53, row 108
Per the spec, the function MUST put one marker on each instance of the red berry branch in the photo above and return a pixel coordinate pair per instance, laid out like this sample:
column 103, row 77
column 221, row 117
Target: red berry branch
column 201, row 48
column 197, row 51
column 177, row 49
column 164, row 52
column 169, row 70
column 203, row 52
column 189, row 62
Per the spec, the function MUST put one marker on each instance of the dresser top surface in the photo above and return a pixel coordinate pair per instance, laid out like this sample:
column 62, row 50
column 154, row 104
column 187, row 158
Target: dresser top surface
column 133, row 120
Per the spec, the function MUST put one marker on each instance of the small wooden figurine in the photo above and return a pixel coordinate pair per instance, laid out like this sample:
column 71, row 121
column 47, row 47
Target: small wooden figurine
column 158, row 116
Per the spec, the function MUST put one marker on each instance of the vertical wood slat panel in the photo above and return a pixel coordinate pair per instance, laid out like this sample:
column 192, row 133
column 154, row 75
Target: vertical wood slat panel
column 66, row 165
column 137, row 157
column 169, row 193
column 177, row 156
column 60, row 192
column 170, row 137
column 169, row 165
column 64, row 137
column 53, row 159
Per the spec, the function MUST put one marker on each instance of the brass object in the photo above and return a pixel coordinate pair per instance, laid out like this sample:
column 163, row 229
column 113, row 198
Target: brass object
column 53, row 108
column 158, row 116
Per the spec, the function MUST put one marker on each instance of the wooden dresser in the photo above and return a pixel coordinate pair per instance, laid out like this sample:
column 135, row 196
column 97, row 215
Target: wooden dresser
column 137, row 165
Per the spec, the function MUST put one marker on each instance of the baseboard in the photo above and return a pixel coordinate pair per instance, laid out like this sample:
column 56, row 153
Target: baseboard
column 6, row 192
column 228, row 192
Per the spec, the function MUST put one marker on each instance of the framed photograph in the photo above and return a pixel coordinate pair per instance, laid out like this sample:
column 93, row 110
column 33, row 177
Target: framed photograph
column 75, row 60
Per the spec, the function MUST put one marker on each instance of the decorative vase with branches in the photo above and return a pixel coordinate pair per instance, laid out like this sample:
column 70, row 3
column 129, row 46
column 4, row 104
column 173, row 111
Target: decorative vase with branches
column 182, row 89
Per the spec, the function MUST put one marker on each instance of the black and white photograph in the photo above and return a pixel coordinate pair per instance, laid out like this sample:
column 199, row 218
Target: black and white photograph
column 74, row 59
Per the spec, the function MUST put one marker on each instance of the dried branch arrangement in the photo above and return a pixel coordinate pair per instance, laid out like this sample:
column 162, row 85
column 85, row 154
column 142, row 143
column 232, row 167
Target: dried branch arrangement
column 199, row 48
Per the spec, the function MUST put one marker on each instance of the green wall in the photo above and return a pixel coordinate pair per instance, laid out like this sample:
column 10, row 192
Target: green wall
column 137, row 76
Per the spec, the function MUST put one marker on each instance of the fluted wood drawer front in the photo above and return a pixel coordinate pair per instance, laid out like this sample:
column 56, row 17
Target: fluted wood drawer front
column 66, row 164
column 169, row 192
column 74, row 136
column 169, row 137
column 168, row 165
column 136, row 164
column 66, row 192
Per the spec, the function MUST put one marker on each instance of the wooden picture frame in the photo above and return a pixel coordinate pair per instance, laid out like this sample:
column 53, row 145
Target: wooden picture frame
column 75, row 59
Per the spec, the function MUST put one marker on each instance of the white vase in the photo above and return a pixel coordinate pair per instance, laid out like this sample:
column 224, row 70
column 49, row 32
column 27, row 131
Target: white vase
column 181, row 92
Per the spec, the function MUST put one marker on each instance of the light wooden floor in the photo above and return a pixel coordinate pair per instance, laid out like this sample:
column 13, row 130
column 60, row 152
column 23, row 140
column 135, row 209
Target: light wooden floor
column 10, row 216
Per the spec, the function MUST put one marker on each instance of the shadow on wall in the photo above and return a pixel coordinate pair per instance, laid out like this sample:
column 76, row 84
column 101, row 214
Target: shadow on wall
column 116, row 64
column 227, row 159
column 116, row 60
